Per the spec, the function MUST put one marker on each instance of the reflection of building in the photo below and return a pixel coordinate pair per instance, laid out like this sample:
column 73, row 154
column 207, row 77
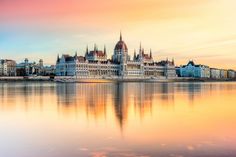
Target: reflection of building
column 83, row 98
column 95, row 63
column 27, row 68
column 194, row 70
column 7, row 67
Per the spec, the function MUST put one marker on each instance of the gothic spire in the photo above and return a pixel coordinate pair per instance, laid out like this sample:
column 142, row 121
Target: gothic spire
column 105, row 50
column 95, row 47
column 140, row 49
column 58, row 58
column 120, row 36
column 173, row 61
column 134, row 58
column 143, row 51
column 75, row 53
column 87, row 51
column 150, row 53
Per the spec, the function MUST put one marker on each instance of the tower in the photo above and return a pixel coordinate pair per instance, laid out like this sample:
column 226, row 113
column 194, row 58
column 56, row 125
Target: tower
column 40, row 63
column 140, row 52
column 105, row 50
column 121, row 51
column 151, row 53
column 134, row 58
column 87, row 52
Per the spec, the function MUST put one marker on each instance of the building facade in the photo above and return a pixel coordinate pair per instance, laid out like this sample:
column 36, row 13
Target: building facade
column 96, row 64
column 231, row 74
column 194, row 70
column 27, row 68
column 215, row 73
column 7, row 67
column 223, row 74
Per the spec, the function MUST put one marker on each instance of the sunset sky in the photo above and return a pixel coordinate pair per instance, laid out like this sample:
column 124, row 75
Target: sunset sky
column 202, row 30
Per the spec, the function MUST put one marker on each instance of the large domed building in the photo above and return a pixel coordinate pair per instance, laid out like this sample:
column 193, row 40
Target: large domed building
column 95, row 64
column 120, row 52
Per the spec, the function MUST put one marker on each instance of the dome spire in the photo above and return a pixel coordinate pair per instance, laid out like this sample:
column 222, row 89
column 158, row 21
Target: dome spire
column 120, row 36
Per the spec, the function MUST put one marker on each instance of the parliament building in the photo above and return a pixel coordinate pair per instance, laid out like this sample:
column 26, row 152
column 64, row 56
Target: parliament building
column 96, row 64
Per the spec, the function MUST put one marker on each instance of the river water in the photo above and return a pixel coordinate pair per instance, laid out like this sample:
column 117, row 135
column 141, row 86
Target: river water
column 120, row 120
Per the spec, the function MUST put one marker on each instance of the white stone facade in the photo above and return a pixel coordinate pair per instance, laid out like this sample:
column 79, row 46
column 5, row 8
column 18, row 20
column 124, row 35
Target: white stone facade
column 7, row 67
column 96, row 65
column 215, row 73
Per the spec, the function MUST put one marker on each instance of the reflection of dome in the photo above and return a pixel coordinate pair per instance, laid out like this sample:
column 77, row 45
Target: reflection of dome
column 121, row 45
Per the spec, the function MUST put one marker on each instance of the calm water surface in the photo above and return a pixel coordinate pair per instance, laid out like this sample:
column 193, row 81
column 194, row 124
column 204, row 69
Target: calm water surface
column 126, row 119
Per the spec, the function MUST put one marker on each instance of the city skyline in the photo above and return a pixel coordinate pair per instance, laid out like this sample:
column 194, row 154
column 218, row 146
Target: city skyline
column 185, row 30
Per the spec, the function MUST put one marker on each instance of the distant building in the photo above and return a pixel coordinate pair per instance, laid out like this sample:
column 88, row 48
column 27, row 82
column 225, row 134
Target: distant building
column 194, row 70
column 96, row 64
column 7, row 67
column 49, row 70
column 215, row 73
column 231, row 74
column 177, row 69
column 27, row 68
column 223, row 74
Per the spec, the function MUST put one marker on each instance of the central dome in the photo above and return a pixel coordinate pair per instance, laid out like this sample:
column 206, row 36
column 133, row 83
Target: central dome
column 121, row 45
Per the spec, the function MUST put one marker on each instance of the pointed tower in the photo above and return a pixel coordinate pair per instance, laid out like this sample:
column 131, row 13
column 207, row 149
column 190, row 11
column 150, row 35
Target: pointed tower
column 58, row 59
column 173, row 61
column 105, row 50
column 95, row 50
column 134, row 58
column 95, row 47
column 120, row 36
column 87, row 51
column 151, row 53
column 75, row 54
column 140, row 52
column 140, row 47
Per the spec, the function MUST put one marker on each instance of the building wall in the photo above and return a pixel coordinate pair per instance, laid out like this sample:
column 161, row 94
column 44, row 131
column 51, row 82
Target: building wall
column 7, row 67
column 215, row 73
column 223, row 74
column 194, row 71
column 231, row 74
column 108, row 69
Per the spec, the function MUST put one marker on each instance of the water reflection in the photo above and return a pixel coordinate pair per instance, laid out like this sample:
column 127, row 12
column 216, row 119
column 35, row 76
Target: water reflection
column 122, row 97
column 95, row 98
column 133, row 119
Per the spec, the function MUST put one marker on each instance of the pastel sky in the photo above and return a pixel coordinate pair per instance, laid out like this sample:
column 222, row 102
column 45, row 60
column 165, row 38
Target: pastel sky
column 202, row 30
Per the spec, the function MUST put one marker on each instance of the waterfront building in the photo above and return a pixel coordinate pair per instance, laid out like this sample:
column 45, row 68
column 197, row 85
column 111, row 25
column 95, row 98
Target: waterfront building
column 49, row 70
column 215, row 73
column 223, row 74
column 194, row 70
column 177, row 69
column 27, row 68
column 231, row 74
column 95, row 64
column 7, row 67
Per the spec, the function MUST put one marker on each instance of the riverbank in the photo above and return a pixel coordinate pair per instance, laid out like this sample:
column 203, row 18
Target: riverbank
column 25, row 79
column 106, row 80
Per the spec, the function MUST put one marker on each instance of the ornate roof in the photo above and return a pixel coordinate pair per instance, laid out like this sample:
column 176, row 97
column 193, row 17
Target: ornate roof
column 98, row 53
column 121, row 45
